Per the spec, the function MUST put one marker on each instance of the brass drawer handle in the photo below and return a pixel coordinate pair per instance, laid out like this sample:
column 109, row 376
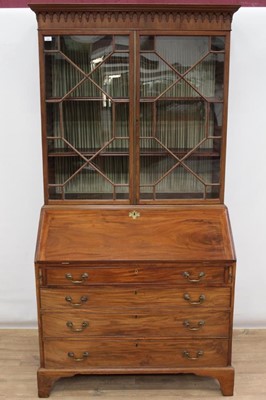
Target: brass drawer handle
column 70, row 325
column 200, row 301
column 83, row 277
column 83, row 300
column 187, row 276
column 199, row 354
column 77, row 359
column 193, row 328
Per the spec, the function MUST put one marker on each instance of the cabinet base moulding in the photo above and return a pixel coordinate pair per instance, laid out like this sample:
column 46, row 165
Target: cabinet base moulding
column 225, row 376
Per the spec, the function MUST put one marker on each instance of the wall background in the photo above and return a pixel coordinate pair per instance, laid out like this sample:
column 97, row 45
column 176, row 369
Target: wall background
column 21, row 194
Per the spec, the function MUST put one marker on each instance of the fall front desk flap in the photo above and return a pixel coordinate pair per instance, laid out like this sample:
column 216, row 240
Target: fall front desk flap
column 194, row 233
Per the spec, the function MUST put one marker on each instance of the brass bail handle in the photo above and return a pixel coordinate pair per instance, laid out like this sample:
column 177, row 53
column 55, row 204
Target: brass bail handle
column 187, row 297
column 187, row 324
column 83, row 278
column 70, row 325
column 83, row 300
column 200, row 277
column 199, row 354
column 85, row 355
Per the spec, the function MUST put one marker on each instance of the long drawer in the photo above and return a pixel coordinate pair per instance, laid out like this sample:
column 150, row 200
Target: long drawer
column 129, row 353
column 106, row 297
column 73, row 275
column 82, row 324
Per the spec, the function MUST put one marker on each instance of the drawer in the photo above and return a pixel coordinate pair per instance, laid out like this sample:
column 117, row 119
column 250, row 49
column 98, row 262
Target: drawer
column 82, row 324
column 76, row 276
column 107, row 297
column 140, row 353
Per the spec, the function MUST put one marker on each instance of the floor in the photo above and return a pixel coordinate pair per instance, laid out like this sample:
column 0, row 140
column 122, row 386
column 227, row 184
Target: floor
column 19, row 360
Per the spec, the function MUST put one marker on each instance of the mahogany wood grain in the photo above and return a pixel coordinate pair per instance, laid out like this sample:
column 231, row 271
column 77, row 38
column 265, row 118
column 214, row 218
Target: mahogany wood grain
column 178, row 17
column 175, row 323
column 136, row 273
column 95, row 234
column 109, row 297
column 135, row 298
column 134, row 353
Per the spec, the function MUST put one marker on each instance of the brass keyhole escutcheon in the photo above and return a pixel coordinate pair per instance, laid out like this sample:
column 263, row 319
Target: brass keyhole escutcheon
column 134, row 214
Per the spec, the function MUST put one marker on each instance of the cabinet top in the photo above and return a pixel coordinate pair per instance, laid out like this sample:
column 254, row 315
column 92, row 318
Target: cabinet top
column 180, row 234
column 170, row 14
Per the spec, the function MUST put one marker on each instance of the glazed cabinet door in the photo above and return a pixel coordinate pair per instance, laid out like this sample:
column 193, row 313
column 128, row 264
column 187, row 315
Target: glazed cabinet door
column 181, row 93
column 88, row 106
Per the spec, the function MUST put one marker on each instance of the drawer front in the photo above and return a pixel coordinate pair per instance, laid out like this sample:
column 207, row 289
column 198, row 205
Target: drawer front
column 77, row 276
column 106, row 297
column 121, row 353
column 182, row 324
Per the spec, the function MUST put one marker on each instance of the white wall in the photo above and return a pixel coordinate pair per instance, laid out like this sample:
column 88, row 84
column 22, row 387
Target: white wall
column 21, row 170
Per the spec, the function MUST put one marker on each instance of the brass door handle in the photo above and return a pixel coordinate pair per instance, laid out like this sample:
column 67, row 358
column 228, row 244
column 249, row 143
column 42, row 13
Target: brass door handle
column 199, row 354
column 85, row 354
column 70, row 325
column 200, row 301
column 83, row 278
column 83, row 300
column 187, row 276
column 193, row 328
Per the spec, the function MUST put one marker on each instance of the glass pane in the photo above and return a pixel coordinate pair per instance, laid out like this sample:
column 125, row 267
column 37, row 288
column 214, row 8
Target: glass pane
column 155, row 75
column 151, row 145
column 87, row 52
column 208, row 169
column 113, row 75
column 155, row 161
column 121, row 43
column 180, row 184
column 50, row 42
column 181, row 89
column 216, row 119
column 181, row 51
column 119, row 147
column 87, row 89
column 218, row 43
column 146, row 119
column 89, row 184
column 207, row 77
column 121, row 119
column 87, row 124
column 60, row 169
column 115, row 169
column 59, row 146
column 180, row 124
column 60, row 76
column 213, row 192
column 147, row 43
column 55, row 192
column 52, row 119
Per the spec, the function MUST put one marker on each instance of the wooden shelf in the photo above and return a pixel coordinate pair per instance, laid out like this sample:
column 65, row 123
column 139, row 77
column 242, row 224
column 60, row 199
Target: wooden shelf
column 143, row 153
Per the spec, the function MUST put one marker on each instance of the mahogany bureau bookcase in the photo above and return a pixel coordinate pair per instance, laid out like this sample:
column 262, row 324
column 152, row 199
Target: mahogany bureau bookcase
column 135, row 264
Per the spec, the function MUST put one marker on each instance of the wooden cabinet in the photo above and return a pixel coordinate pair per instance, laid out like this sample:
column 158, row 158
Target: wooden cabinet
column 135, row 264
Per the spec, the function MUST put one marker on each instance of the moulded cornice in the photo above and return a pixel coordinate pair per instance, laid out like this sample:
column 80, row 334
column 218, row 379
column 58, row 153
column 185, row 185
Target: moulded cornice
column 132, row 13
